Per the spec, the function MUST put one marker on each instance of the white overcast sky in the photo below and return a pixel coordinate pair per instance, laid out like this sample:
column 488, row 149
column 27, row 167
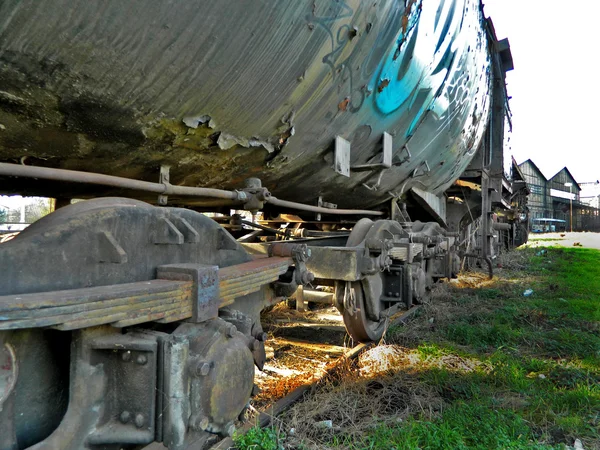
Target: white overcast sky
column 555, row 86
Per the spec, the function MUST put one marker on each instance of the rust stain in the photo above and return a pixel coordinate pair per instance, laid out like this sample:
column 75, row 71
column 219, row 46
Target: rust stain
column 383, row 85
column 405, row 23
column 343, row 105
column 405, row 17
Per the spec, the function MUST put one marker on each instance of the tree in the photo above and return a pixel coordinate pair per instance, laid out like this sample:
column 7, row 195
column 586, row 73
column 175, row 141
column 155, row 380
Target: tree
column 37, row 209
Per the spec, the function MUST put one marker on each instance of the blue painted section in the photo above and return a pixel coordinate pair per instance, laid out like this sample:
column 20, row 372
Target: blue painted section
column 415, row 72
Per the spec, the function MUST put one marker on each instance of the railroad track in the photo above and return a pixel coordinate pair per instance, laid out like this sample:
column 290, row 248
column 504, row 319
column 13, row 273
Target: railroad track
column 315, row 340
column 272, row 404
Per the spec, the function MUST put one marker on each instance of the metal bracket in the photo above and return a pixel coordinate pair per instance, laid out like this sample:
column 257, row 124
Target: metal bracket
column 205, row 293
column 164, row 179
column 109, row 250
column 341, row 162
column 342, row 156
column 406, row 158
column 399, row 214
column 386, row 158
column 165, row 232
column 113, row 391
column 421, row 170
column 324, row 204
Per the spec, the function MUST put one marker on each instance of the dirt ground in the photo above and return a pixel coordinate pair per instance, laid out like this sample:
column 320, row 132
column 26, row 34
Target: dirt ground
column 300, row 349
column 577, row 239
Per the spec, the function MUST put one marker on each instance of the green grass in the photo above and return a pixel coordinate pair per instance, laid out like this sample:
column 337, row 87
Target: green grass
column 540, row 356
column 512, row 372
column 260, row 439
column 464, row 425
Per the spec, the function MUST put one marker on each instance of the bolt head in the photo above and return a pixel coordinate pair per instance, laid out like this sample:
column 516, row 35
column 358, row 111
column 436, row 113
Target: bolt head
column 201, row 423
column 307, row 277
column 229, row 429
column 125, row 417
column 231, row 329
column 126, row 356
column 203, row 368
column 141, row 360
column 140, row 420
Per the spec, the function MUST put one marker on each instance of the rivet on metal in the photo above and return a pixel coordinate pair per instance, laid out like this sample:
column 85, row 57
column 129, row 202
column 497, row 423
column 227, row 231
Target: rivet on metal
column 229, row 429
column 203, row 369
column 141, row 360
column 126, row 356
column 140, row 420
column 125, row 416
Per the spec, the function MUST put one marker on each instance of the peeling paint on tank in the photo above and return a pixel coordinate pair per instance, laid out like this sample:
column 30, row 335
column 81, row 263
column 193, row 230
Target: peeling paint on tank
column 150, row 97
column 195, row 121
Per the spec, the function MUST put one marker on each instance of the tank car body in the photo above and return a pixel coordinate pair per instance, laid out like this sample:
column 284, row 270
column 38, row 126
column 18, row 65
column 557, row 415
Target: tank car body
column 223, row 91
column 368, row 134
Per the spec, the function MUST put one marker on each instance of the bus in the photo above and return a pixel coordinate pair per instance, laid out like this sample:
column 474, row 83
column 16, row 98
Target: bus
column 545, row 225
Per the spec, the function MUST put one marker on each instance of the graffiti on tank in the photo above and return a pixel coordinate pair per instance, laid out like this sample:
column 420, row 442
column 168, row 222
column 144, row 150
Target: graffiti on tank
column 416, row 70
column 339, row 37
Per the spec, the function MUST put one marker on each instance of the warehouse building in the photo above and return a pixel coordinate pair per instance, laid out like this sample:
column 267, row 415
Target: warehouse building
column 555, row 203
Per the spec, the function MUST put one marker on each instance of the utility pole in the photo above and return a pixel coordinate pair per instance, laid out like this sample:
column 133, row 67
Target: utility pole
column 570, row 185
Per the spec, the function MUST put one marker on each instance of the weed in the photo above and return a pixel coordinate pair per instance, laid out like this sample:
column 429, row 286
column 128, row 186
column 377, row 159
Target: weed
column 462, row 426
column 259, row 439
column 496, row 370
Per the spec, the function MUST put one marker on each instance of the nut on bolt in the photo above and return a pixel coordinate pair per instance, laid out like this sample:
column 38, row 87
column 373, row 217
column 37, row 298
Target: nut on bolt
column 262, row 336
column 308, row 277
column 230, row 330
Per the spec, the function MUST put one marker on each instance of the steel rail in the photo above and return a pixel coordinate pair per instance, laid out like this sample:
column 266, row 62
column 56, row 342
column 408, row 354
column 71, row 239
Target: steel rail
column 266, row 416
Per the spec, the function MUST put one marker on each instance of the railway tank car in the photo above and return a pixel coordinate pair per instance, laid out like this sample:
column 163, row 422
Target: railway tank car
column 365, row 140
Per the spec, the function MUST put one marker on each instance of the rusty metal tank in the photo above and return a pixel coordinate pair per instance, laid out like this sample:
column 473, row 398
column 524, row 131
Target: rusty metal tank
column 226, row 90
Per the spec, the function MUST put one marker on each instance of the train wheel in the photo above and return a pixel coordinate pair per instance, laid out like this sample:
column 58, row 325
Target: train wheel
column 358, row 325
column 361, row 302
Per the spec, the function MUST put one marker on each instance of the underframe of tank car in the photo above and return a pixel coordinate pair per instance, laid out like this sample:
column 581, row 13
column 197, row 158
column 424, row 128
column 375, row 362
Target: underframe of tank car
column 124, row 324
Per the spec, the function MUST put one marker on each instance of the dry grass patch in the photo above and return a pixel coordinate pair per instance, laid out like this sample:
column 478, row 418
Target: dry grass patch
column 361, row 400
